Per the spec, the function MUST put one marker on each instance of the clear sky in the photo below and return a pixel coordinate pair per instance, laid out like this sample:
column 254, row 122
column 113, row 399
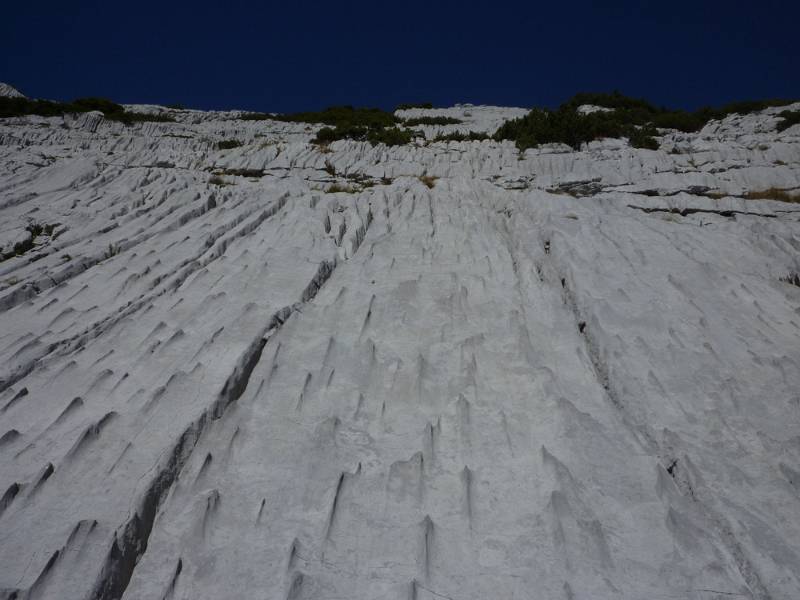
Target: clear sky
column 296, row 55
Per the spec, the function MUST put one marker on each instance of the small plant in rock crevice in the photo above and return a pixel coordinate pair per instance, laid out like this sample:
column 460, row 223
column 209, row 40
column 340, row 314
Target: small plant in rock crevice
column 428, row 181
column 773, row 193
column 229, row 144
column 791, row 278
column 336, row 188
column 112, row 250
column 218, row 180
column 35, row 230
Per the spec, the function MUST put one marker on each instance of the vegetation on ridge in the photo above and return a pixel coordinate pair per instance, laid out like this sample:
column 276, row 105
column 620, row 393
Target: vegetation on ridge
column 568, row 126
column 790, row 117
column 413, row 121
column 632, row 118
column 343, row 117
column 414, row 105
column 371, row 125
column 228, row 144
column 458, row 136
column 19, row 107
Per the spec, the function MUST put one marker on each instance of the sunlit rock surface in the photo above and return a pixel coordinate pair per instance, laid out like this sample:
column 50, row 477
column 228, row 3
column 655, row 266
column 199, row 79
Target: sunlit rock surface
column 554, row 374
column 10, row 91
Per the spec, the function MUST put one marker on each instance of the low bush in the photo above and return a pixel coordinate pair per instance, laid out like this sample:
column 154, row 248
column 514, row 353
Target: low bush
column 18, row 107
column 565, row 126
column 642, row 137
column 681, row 120
column 414, row 121
column 790, row 117
column 639, row 111
column 345, row 122
column 413, row 105
column 343, row 116
column 751, row 106
column 615, row 100
column 228, row 144
column 458, row 136
column 391, row 136
column 634, row 118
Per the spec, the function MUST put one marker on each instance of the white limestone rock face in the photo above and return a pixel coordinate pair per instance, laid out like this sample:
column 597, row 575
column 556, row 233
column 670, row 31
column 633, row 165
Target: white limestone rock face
column 550, row 374
column 9, row 91
column 482, row 119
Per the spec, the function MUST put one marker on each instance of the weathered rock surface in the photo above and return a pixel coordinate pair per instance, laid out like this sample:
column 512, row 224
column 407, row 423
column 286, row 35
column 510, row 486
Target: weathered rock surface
column 10, row 91
column 241, row 386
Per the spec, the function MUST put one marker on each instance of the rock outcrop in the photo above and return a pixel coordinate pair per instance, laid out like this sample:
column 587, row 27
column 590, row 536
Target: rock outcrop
column 475, row 373
column 10, row 91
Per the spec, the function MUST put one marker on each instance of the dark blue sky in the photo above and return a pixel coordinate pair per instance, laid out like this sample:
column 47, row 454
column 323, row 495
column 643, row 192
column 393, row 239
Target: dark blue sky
column 296, row 55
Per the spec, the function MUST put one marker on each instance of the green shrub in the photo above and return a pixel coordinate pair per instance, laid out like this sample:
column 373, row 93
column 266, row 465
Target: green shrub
column 326, row 135
column 18, row 107
column 228, row 144
column 643, row 138
column 634, row 118
column 345, row 122
column 614, row 100
column 344, row 116
column 458, row 136
column 431, row 121
column 751, row 106
column 414, row 105
column 564, row 125
column 640, row 111
column 21, row 247
column 391, row 136
column 790, row 117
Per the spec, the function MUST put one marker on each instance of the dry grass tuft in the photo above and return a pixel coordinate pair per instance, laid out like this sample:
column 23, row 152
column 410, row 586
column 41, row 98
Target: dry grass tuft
column 773, row 193
column 218, row 180
column 341, row 188
column 428, row 180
